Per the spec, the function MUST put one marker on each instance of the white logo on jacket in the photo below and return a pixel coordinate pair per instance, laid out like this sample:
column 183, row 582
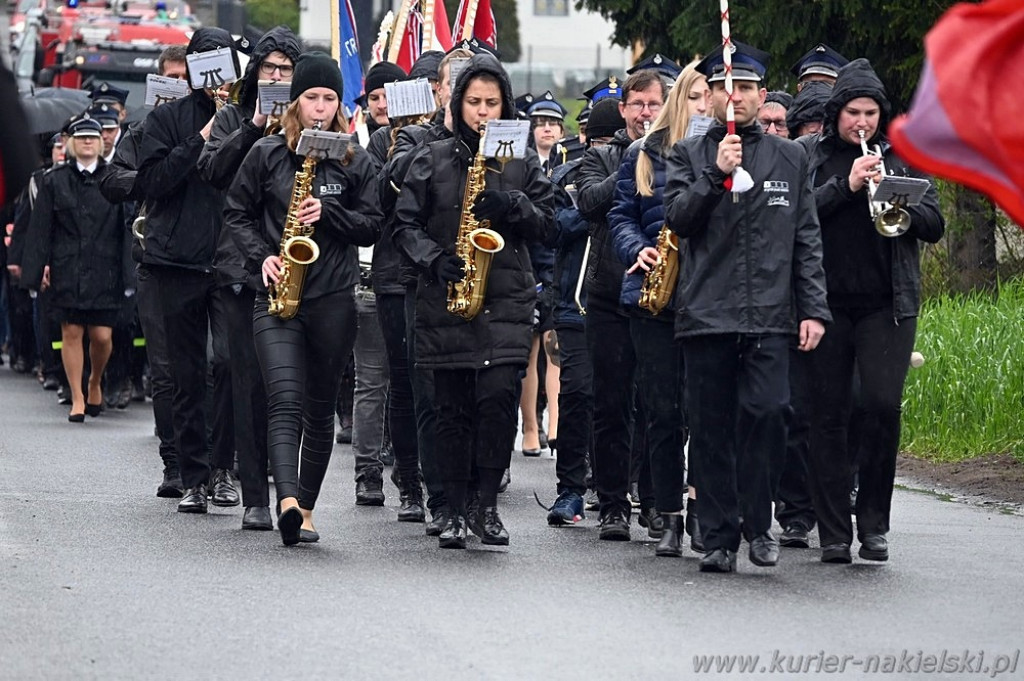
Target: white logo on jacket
column 330, row 189
column 776, row 186
column 778, row 201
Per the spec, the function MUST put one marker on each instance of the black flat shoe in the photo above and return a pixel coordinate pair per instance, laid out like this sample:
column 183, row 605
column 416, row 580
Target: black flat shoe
column 531, row 452
column 76, row 418
column 93, row 409
column 290, row 525
column 308, row 536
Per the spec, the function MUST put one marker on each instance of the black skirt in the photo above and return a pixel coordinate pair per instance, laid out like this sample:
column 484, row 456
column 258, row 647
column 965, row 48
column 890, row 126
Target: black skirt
column 69, row 315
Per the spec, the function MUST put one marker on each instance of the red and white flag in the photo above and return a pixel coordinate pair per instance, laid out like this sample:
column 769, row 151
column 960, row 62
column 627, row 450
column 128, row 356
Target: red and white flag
column 483, row 28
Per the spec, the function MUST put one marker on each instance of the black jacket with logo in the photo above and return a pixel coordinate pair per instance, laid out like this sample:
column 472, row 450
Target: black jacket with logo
column 753, row 265
column 256, row 210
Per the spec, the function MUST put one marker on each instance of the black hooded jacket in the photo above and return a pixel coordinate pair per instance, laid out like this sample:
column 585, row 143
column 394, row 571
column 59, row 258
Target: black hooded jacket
column 596, row 183
column 183, row 211
column 427, row 221
column 234, row 134
column 839, row 208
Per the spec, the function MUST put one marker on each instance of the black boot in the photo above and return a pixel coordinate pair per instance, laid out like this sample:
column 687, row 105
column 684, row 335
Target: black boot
column 693, row 526
column 669, row 545
column 411, row 510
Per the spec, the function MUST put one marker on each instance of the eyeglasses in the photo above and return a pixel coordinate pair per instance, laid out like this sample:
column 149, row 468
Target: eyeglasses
column 267, row 69
column 779, row 125
column 654, row 107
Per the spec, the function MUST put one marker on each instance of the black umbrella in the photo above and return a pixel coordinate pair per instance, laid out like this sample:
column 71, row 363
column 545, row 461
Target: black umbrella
column 48, row 108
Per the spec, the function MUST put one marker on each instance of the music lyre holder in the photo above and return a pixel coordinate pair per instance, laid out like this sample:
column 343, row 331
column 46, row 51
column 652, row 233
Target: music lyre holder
column 212, row 79
column 902, row 191
column 323, row 145
column 278, row 109
column 160, row 99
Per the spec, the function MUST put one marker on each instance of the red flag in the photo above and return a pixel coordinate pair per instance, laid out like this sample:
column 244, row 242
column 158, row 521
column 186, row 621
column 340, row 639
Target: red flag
column 484, row 28
column 961, row 124
column 442, row 33
column 410, row 48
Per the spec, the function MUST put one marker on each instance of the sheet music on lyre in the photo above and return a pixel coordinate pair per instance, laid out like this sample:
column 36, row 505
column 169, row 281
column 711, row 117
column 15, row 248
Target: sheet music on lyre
column 322, row 144
column 275, row 97
column 410, row 98
column 908, row 191
column 698, row 125
column 160, row 90
column 211, row 69
column 505, row 140
column 455, row 67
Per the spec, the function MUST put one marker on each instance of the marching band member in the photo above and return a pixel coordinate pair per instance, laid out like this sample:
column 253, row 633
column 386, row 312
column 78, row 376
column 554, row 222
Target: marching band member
column 302, row 358
column 874, row 291
column 476, row 363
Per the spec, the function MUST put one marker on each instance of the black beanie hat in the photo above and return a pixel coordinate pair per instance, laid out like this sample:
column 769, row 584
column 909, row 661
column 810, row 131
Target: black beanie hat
column 605, row 120
column 426, row 65
column 380, row 73
column 316, row 69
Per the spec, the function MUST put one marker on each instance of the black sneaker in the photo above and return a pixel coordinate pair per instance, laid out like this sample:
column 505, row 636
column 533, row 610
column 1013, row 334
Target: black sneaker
column 591, row 502
column 387, row 455
column 370, row 492
column 222, row 489
column 506, row 480
column 344, row 436
column 614, row 526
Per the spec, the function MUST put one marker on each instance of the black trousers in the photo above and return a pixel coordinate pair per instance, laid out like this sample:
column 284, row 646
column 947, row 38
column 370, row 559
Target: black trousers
column 613, row 362
column 221, row 409
column 152, row 319
column 401, row 407
column 737, row 398
column 23, row 335
column 186, row 300
column 879, row 348
column 659, row 377
column 575, row 409
column 249, row 397
column 477, row 414
column 793, row 492
column 302, row 359
column 48, row 337
column 426, row 415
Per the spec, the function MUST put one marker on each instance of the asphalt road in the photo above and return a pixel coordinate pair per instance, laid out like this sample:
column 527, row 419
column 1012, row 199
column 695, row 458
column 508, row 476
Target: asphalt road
column 99, row 579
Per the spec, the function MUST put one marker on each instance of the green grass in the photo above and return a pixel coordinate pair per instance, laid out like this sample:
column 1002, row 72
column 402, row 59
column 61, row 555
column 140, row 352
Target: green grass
column 968, row 398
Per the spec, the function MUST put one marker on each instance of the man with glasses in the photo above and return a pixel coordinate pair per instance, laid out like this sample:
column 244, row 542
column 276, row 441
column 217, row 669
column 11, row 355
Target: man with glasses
column 608, row 338
column 772, row 114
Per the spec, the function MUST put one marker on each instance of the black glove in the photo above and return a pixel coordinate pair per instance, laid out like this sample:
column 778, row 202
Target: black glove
column 448, row 268
column 492, row 205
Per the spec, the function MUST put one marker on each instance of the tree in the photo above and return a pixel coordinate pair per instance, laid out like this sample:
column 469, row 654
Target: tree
column 888, row 32
column 265, row 14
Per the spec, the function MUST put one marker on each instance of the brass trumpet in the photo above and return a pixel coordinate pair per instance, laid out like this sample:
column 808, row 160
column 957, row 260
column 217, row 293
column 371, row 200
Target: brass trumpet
column 891, row 220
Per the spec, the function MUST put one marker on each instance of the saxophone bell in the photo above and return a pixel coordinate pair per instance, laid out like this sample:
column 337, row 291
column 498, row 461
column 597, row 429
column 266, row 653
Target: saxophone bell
column 660, row 282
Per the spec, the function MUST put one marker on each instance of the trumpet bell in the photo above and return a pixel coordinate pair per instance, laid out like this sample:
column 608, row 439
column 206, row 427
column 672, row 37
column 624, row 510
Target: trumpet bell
column 892, row 222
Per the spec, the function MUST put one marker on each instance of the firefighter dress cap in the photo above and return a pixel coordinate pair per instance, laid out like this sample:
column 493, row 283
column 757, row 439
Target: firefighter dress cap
column 656, row 62
column 748, row 63
column 108, row 94
column 609, row 87
column 86, row 126
column 822, row 60
column 546, row 105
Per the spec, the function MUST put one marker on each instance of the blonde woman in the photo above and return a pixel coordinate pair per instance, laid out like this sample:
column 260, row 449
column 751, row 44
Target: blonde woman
column 636, row 219
column 302, row 358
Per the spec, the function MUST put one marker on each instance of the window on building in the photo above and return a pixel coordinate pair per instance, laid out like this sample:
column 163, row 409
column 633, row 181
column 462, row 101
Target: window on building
column 551, row 8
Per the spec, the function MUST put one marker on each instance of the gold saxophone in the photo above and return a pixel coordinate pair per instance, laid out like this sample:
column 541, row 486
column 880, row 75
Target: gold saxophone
column 475, row 243
column 660, row 280
column 298, row 250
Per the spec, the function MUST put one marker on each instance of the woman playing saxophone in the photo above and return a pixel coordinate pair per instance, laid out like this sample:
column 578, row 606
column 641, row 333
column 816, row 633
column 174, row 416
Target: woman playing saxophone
column 641, row 239
column 302, row 357
column 476, row 359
